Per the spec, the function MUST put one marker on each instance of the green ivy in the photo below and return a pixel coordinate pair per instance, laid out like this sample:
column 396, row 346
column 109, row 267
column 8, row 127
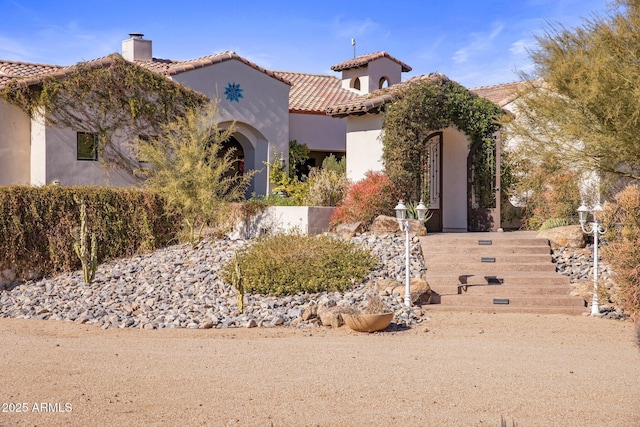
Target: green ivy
column 430, row 105
column 116, row 98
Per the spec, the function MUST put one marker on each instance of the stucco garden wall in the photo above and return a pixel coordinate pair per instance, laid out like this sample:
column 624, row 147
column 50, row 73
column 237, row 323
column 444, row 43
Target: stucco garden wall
column 364, row 147
column 15, row 147
column 277, row 219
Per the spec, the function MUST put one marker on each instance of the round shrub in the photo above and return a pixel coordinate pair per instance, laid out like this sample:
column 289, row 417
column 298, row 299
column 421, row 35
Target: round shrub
column 374, row 195
column 286, row 264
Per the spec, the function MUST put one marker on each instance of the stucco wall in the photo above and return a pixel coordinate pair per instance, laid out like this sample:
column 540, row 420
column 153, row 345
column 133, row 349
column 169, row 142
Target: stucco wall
column 38, row 151
column 15, row 147
column 263, row 108
column 370, row 75
column 62, row 164
column 364, row 147
column 454, row 180
column 383, row 67
column 318, row 131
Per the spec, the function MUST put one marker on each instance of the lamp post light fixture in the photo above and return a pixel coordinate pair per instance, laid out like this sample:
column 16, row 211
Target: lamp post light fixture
column 596, row 229
column 403, row 221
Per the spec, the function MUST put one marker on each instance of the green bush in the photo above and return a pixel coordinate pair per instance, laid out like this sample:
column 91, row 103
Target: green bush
column 326, row 187
column 331, row 163
column 553, row 223
column 286, row 264
column 37, row 223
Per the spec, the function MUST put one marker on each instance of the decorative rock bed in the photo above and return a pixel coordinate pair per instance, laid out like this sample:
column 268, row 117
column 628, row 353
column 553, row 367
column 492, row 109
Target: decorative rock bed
column 179, row 287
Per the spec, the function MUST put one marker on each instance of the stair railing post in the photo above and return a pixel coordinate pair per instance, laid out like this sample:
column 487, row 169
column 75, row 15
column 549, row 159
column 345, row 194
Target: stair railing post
column 595, row 228
column 407, row 285
column 403, row 222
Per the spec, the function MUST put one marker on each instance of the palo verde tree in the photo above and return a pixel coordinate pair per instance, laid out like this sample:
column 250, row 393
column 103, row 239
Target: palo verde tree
column 190, row 168
column 111, row 97
column 428, row 105
column 582, row 107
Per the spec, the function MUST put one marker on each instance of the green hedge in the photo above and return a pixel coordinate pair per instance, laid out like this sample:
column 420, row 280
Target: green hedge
column 37, row 223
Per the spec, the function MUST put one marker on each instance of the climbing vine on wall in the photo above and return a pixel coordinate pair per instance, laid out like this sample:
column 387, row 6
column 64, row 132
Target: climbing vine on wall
column 113, row 98
column 429, row 105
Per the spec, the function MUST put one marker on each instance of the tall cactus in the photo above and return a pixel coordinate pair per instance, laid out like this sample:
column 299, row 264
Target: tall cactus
column 237, row 282
column 88, row 256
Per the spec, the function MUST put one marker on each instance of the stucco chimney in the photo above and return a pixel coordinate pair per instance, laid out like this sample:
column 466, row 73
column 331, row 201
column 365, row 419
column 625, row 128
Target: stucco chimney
column 135, row 48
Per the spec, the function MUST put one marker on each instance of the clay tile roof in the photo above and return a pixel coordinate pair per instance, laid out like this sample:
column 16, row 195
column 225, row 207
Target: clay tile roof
column 171, row 68
column 61, row 72
column 10, row 70
column 363, row 61
column 314, row 93
column 375, row 101
column 501, row 94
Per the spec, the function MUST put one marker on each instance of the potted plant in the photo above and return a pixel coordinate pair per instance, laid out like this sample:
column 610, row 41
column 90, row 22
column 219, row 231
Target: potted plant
column 374, row 317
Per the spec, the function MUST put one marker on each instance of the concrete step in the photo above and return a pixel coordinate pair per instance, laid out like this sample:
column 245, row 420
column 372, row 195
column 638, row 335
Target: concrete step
column 573, row 311
column 506, row 278
column 429, row 249
column 487, row 241
column 495, row 272
column 494, row 268
column 487, row 258
column 513, row 300
column 485, row 289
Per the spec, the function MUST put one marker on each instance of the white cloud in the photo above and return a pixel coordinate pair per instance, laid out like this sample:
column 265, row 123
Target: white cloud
column 480, row 42
column 522, row 46
column 13, row 49
column 354, row 28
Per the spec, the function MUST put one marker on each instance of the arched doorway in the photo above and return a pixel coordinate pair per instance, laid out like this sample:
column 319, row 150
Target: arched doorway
column 238, row 156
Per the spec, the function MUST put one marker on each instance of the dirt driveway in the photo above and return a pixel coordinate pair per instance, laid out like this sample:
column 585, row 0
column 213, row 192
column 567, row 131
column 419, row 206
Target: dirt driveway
column 456, row 369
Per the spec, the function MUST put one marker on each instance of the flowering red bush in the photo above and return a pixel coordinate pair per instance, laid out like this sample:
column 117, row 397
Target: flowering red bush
column 372, row 196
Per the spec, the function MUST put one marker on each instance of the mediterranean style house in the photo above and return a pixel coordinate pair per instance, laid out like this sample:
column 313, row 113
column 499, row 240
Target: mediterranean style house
column 331, row 114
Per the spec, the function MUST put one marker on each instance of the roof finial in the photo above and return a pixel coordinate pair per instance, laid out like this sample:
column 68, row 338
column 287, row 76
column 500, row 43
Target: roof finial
column 353, row 43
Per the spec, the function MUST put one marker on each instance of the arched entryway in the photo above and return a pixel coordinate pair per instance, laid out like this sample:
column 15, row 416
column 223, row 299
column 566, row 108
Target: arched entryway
column 238, row 156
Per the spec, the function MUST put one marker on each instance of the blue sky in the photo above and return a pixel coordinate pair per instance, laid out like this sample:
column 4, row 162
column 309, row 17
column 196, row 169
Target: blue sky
column 475, row 42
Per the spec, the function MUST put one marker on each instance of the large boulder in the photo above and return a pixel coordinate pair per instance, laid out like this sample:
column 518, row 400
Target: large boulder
column 420, row 290
column 384, row 224
column 570, row 235
column 330, row 316
column 349, row 230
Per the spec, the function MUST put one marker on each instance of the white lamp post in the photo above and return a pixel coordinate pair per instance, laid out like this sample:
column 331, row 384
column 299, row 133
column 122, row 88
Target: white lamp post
column 403, row 221
column 596, row 229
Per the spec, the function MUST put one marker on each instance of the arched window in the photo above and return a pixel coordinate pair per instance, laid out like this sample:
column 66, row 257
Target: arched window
column 355, row 83
column 384, row 82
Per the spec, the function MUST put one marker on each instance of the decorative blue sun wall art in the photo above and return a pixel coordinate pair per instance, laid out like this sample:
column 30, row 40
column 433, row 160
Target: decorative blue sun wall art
column 233, row 92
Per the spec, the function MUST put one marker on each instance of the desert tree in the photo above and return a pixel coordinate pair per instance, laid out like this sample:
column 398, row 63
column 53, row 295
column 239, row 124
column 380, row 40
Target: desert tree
column 189, row 166
column 581, row 105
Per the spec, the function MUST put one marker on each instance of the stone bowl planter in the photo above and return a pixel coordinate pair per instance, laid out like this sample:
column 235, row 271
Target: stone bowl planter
column 368, row 322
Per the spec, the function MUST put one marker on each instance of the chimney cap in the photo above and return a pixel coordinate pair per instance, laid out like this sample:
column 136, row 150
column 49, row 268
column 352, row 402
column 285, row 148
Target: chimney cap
column 136, row 35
